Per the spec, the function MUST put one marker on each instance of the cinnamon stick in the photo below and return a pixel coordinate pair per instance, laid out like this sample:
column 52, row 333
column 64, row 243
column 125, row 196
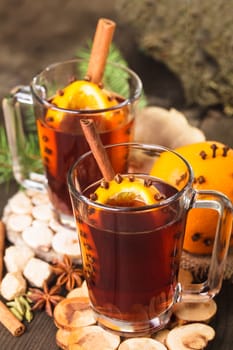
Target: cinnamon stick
column 2, row 247
column 98, row 150
column 14, row 326
column 100, row 48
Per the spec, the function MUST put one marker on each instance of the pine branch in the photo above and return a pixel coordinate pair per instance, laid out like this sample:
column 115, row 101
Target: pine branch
column 5, row 158
column 32, row 158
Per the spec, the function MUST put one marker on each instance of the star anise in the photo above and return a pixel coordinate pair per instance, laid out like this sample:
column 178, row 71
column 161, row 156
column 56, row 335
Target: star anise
column 69, row 275
column 46, row 298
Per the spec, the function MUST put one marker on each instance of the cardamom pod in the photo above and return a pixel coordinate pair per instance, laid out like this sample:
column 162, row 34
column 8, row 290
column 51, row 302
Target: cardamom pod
column 16, row 313
column 21, row 308
column 28, row 315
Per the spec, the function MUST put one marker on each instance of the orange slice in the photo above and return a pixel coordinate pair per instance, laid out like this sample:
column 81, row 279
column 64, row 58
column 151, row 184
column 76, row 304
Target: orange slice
column 84, row 95
column 127, row 192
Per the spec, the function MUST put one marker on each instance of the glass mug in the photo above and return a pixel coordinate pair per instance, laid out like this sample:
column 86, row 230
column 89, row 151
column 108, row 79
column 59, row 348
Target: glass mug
column 61, row 144
column 131, row 255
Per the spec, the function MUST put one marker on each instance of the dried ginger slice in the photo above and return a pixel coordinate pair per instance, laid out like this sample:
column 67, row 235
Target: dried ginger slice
column 141, row 344
column 72, row 313
column 190, row 336
column 195, row 312
column 79, row 291
column 92, row 337
column 62, row 336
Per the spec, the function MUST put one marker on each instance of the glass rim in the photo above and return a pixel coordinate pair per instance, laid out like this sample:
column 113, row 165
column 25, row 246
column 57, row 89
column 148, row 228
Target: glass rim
column 127, row 101
column 163, row 202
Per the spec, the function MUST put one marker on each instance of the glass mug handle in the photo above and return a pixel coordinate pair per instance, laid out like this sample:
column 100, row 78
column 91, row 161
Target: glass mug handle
column 16, row 130
column 220, row 203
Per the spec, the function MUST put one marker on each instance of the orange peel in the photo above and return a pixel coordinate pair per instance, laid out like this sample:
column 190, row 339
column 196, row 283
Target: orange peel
column 212, row 163
column 127, row 192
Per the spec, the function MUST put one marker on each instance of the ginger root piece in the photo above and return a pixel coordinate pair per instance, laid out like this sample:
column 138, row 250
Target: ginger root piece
column 93, row 337
column 13, row 285
column 62, row 337
column 191, row 336
column 38, row 236
column 16, row 257
column 195, row 312
column 65, row 242
column 71, row 313
column 165, row 127
column 20, row 203
column 141, row 344
column 37, row 272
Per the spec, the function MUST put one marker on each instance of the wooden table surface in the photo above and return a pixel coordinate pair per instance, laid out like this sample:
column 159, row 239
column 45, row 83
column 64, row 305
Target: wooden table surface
column 40, row 333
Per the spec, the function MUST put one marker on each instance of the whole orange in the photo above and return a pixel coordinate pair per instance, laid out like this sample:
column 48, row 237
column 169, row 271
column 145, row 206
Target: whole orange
column 212, row 164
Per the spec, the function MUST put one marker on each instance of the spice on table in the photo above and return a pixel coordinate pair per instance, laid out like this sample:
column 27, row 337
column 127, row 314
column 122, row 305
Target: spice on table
column 14, row 326
column 13, row 284
column 2, row 247
column 21, row 308
column 69, row 275
column 72, row 313
column 46, row 298
column 190, row 336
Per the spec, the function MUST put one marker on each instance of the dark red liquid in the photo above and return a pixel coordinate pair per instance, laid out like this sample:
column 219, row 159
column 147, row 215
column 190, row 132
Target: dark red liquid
column 131, row 259
column 61, row 148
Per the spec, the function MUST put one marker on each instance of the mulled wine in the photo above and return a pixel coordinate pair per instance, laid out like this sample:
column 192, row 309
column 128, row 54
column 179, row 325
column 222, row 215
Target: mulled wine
column 61, row 146
column 131, row 257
